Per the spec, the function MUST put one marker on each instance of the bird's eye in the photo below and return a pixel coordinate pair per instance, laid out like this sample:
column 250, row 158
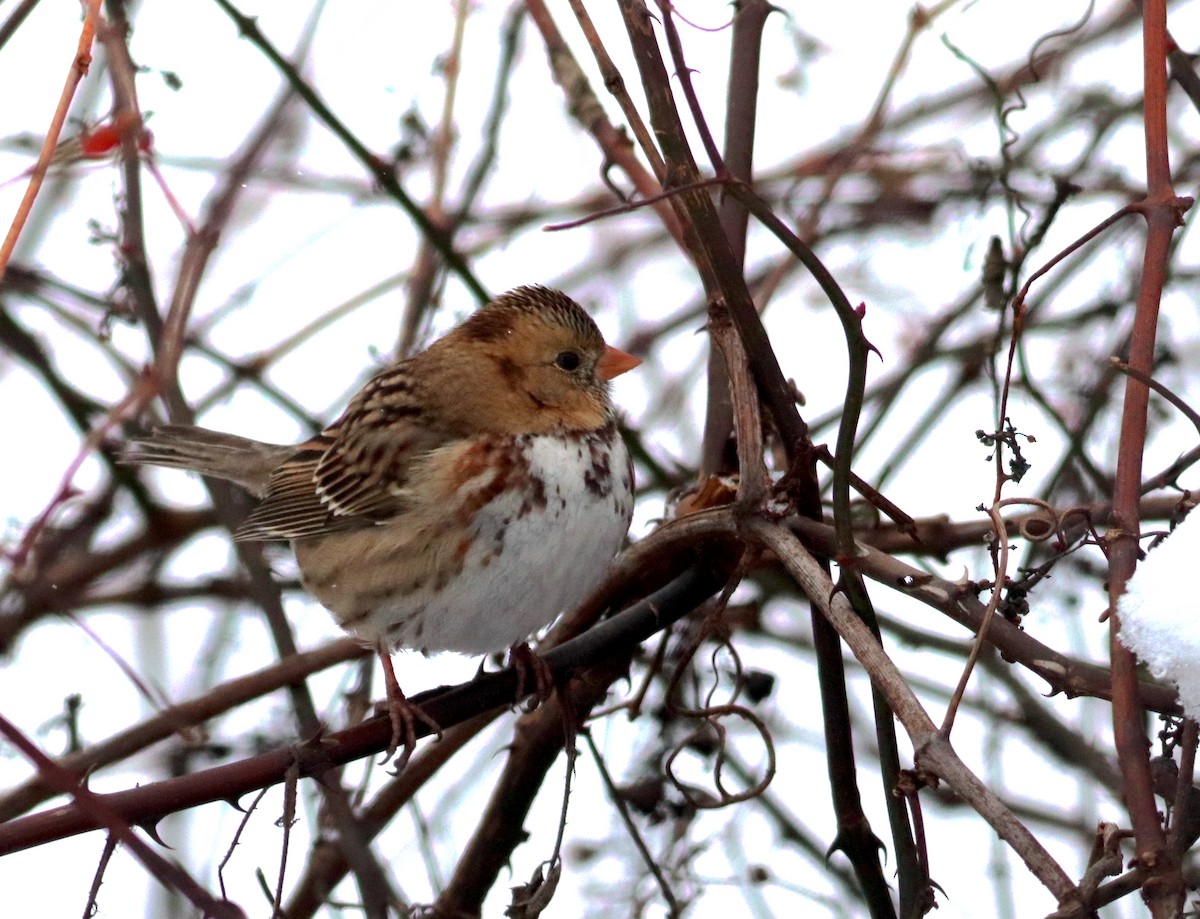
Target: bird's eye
column 567, row 360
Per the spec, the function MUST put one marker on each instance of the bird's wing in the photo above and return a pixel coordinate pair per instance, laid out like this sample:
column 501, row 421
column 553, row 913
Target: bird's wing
column 353, row 473
column 290, row 507
column 383, row 431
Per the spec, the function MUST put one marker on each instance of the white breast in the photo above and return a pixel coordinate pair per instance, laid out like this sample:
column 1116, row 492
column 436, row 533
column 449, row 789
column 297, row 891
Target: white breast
column 529, row 560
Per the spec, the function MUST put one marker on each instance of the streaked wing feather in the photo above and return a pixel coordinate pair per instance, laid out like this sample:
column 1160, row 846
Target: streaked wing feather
column 291, row 508
column 374, row 444
column 363, row 470
column 353, row 473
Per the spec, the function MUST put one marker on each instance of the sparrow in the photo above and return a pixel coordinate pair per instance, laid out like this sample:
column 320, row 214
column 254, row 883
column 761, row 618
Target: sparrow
column 465, row 497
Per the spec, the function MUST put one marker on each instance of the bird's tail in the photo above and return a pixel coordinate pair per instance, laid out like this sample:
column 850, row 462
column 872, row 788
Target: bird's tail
column 246, row 462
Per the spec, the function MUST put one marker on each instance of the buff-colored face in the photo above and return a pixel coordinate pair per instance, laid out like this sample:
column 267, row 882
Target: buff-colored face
column 526, row 367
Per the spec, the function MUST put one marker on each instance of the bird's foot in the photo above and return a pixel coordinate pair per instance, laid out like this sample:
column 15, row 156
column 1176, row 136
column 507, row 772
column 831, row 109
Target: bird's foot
column 528, row 664
column 403, row 715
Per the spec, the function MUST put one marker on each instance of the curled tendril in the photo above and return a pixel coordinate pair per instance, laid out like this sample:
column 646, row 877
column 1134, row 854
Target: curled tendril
column 711, row 715
column 1047, row 520
column 674, row 11
column 713, row 719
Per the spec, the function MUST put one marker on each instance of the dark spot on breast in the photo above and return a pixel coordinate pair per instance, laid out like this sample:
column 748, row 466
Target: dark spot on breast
column 535, row 496
column 498, row 463
column 408, row 628
column 598, row 478
column 447, row 573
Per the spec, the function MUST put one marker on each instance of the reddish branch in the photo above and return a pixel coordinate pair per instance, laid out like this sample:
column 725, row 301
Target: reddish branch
column 80, row 63
column 1163, row 889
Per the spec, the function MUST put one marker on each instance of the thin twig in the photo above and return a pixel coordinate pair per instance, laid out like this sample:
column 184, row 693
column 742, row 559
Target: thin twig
column 78, row 70
column 635, row 835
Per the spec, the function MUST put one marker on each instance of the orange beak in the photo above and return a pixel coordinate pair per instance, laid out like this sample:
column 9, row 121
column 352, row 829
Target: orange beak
column 613, row 363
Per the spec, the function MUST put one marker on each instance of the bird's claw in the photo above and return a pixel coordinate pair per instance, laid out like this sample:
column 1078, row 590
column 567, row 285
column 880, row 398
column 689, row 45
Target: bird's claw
column 522, row 659
column 404, row 717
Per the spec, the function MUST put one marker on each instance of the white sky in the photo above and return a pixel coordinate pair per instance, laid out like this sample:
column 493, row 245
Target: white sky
column 309, row 249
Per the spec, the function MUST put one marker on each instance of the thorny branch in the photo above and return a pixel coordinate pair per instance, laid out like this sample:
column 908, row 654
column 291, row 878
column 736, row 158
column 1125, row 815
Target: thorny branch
column 756, row 243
